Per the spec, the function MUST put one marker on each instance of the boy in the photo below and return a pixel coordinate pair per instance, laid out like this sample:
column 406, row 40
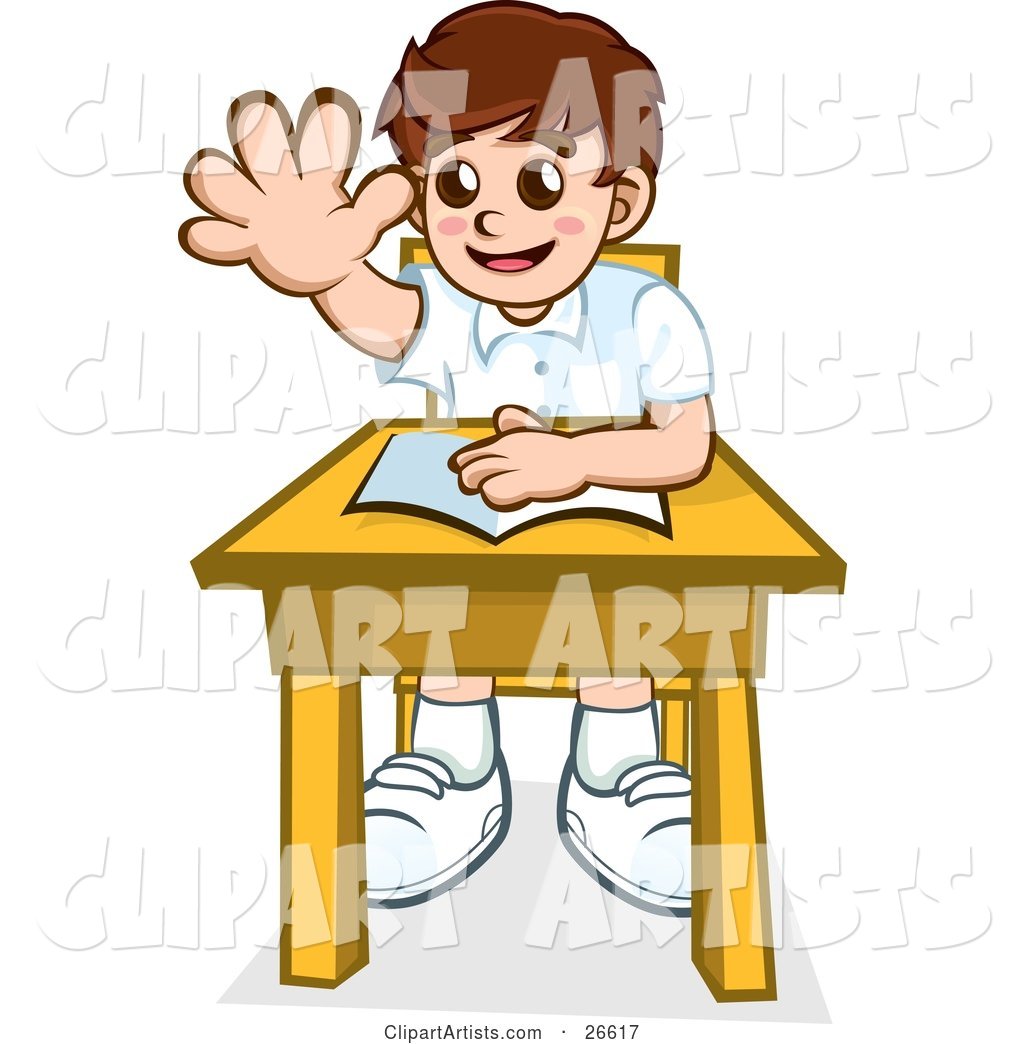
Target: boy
column 527, row 141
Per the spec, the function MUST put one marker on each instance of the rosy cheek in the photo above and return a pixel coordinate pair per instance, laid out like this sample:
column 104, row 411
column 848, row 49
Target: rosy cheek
column 569, row 226
column 452, row 226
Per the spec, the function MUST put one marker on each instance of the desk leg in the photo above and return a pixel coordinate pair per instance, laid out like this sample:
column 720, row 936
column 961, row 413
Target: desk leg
column 405, row 700
column 675, row 740
column 323, row 875
column 732, row 946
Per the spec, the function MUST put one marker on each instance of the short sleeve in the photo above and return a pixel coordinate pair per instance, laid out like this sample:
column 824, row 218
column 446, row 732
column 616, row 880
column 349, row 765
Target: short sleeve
column 674, row 355
column 442, row 342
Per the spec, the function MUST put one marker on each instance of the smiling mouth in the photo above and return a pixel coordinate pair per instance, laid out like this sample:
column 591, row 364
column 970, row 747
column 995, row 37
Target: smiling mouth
column 518, row 262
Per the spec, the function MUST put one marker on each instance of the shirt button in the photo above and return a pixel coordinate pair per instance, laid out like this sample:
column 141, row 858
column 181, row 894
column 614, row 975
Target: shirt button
column 543, row 411
column 541, row 368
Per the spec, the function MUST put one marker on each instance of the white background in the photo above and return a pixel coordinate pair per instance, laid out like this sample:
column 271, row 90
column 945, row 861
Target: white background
column 913, row 750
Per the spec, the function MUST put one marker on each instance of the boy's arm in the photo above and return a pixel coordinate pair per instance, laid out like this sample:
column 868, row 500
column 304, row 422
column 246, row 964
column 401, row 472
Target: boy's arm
column 672, row 450
column 526, row 461
column 280, row 206
column 376, row 314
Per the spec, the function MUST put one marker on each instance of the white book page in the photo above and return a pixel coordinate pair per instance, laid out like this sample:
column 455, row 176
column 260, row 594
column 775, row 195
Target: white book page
column 646, row 505
column 413, row 470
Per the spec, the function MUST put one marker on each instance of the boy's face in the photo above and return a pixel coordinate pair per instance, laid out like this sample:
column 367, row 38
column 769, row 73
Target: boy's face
column 517, row 223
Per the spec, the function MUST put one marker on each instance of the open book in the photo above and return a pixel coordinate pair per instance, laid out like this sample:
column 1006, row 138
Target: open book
column 411, row 477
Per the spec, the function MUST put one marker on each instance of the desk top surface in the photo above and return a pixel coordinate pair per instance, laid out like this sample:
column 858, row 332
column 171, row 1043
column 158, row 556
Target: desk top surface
column 728, row 529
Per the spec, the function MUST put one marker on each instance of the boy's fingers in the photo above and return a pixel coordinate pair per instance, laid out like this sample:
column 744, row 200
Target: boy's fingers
column 513, row 418
column 505, row 492
column 383, row 200
column 328, row 134
column 480, row 470
column 260, row 131
column 210, row 239
column 216, row 183
column 477, row 451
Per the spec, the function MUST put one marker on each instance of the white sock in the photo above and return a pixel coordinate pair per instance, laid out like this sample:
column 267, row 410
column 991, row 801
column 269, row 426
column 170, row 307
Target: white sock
column 609, row 741
column 462, row 735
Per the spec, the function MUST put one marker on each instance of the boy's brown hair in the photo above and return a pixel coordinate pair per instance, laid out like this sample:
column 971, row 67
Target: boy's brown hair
column 491, row 63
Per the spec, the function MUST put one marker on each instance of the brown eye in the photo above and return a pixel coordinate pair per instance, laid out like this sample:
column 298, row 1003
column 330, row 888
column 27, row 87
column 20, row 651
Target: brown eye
column 540, row 184
column 457, row 184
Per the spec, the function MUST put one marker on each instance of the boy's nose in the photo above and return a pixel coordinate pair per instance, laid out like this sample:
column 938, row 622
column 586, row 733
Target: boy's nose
column 480, row 223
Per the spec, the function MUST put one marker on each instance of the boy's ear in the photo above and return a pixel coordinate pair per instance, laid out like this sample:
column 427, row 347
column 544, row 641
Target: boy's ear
column 416, row 217
column 631, row 205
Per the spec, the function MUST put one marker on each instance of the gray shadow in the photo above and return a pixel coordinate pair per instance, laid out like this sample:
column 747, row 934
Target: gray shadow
column 495, row 945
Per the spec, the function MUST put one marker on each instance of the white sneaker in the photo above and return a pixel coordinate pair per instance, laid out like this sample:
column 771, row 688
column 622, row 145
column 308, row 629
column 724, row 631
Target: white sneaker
column 634, row 838
column 425, row 832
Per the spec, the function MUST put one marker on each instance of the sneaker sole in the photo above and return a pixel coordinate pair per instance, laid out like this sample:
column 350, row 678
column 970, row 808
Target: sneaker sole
column 619, row 886
column 422, row 891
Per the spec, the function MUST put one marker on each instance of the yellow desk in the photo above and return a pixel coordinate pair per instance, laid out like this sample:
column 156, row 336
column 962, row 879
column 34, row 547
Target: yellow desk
column 329, row 580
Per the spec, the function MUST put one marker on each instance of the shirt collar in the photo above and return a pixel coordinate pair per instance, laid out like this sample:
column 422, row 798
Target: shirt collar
column 567, row 319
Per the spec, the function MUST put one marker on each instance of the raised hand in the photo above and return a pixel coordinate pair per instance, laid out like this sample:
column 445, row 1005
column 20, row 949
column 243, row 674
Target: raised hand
column 280, row 205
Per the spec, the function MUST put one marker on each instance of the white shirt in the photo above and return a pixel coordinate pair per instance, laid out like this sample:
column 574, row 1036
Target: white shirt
column 621, row 339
